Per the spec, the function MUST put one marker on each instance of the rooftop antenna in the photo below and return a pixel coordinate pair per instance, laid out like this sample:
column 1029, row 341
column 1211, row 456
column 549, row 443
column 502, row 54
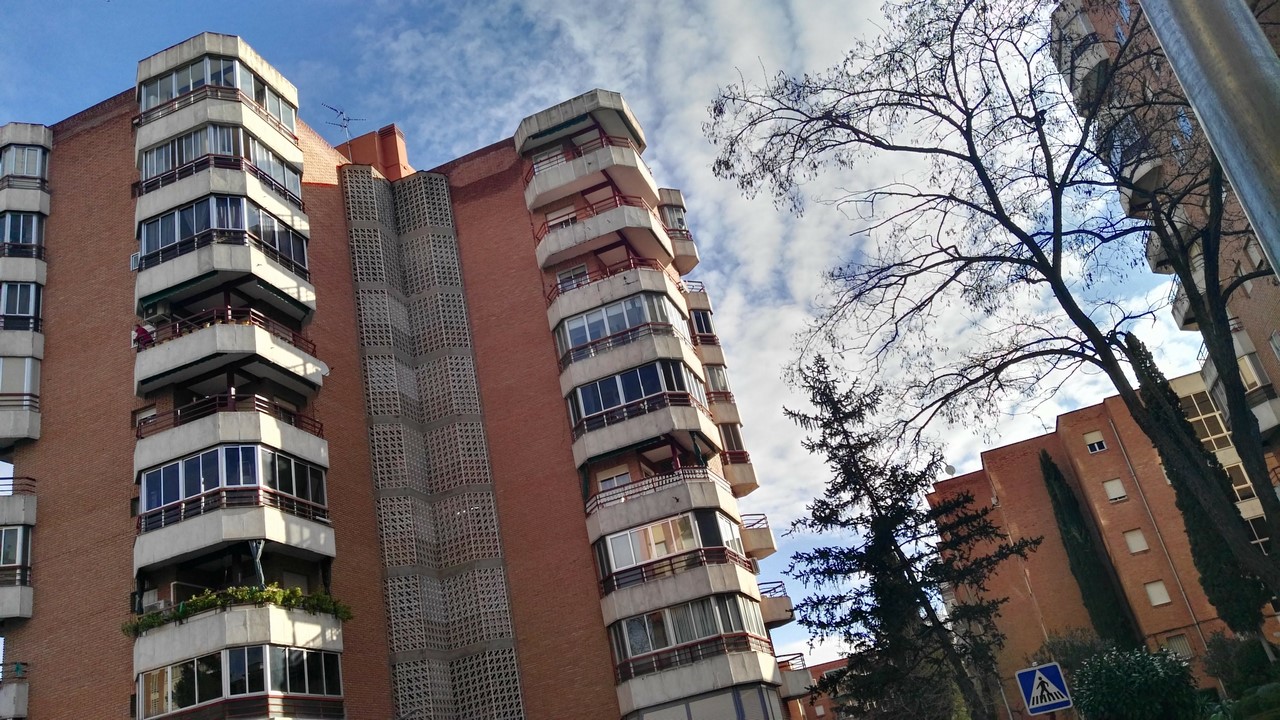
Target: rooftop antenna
column 343, row 120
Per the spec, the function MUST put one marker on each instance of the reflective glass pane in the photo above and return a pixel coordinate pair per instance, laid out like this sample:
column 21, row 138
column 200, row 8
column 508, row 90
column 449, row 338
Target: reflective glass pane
column 638, row 637
column 649, row 382
column 631, row 389
column 279, row 669
column 610, row 393
column 590, row 397
column 332, row 674
column 209, row 677
column 256, row 670
column 620, row 549
column 596, row 327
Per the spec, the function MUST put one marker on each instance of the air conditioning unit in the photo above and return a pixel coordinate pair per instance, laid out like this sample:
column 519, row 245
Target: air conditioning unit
column 155, row 311
column 135, row 260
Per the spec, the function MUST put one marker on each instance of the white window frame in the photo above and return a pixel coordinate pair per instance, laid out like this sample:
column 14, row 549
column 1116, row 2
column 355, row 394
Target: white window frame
column 1109, row 487
column 1156, row 589
column 1136, row 541
column 1094, row 442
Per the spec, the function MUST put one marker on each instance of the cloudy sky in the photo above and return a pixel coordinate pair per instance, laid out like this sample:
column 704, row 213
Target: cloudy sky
column 457, row 76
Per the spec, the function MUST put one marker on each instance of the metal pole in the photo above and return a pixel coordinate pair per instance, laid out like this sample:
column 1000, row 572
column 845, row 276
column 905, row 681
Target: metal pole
column 1231, row 76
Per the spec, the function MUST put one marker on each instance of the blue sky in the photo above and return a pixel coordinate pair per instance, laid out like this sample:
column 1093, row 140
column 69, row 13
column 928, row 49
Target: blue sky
column 458, row 76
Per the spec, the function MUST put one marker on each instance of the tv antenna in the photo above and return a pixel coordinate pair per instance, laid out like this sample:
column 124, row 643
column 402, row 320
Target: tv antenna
column 343, row 120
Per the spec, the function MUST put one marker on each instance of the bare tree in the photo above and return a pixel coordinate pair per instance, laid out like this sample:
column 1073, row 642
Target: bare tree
column 1012, row 228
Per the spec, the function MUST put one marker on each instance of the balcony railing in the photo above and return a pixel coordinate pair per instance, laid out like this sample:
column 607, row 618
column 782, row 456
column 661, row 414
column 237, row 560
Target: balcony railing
column 219, row 237
column 653, row 484
column 220, row 162
column 773, row 589
column 24, row 250
column 694, row 286
column 230, row 497
column 20, row 322
column 596, row 208
column 577, row 151
column 205, row 407
column 719, row 396
column 24, row 182
column 690, row 653
column 706, row 339
column 609, row 342
column 227, row 316
column 672, row 565
column 20, row 401
column 1082, row 47
column 643, row 406
column 735, row 457
column 15, row 575
column 217, row 92
column 609, row 271
column 261, row 706
column 794, row 661
column 17, row 486
column 754, row 521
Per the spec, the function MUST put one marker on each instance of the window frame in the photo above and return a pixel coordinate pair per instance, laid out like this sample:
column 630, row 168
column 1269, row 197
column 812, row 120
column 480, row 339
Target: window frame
column 1107, row 486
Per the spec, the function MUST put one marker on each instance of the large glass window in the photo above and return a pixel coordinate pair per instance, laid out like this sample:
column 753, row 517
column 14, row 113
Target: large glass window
column 24, row 160
column 239, row 671
column 686, row 623
column 22, row 228
column 223, row 213
column 633, row 385
column 232, row 466
column 13, row 546
column 19, row 306
column 670, row 537
column 220, row 71
column 615, row 318
column 220, row 140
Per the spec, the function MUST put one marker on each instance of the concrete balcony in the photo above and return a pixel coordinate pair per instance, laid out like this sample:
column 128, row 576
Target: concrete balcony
column 1180, row 307
column 241, row 337
column 695, row 296
column 222, row 175
column 214, row 630
column 15, row 599
column 22, row 262
column 775, row 605
column 757, row 537
column 216, row 105
column 1157, row 259
column 596, row 108
column 17, row 501
column 219, row 518
column 17, row 507
column 724, row 408
column 1142, row 171
column 13, row 698
column 651, row 499
column 634, row 347
column 198, row 266
column 24, row 194
column 696, row 668
column 685, row 249
column 709, row 349
column 739, row 471
column 796, row 679
column 600, row 224
column 676, row 579
column 588, row 164
column 675, row 414
column 223, row 419
column 610, row 284
column 19, row 417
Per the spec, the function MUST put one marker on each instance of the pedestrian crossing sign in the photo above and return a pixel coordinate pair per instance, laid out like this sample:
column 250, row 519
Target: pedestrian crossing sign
column 1043, row 689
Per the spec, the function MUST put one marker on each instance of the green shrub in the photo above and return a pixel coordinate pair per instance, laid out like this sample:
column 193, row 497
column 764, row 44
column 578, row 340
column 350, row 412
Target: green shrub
column 273, row 594
column 1240, row 662
column 1136, row 685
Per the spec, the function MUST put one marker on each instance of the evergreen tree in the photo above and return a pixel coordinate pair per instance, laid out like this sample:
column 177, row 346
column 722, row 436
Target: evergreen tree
column 884, row 589
column 1107, row 611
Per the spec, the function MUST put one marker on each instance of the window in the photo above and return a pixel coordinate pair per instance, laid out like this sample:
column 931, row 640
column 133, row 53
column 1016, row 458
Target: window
column 632, row 386
column 24, row 160
column 1178, row 644
column 717, row 378
column 1240, row 483
column 1275, row 343
column 1247, row 285
column 701, row 321
column 20, row 306
column 142, row 416
column 1206, row 420
column 1157, row 593
column 1254, row 251
column 223, row 72
column 1251, row 373
column 572, row 278
column 615, row 478
column 223, row 213
column 14, row 546
column 1094, row 442
column 732, row 436
column 1115, row 490
column 1258, row 531
column 22, row 228
column 1121, row 37
column 615, row 318
column 641, row 545
column 238, row 671
column 672, row 216
column 231, row 466
column 1136, row 541
column 680, row 624
column 19, row 375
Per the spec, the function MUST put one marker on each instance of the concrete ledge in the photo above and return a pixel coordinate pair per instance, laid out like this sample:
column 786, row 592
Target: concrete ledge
column 228, row 259
column 679, row 588
column 237, row 625
column 22, row 343
column 685, row 252
column 24, row 200
column 698, row 300
column 229, row 341
column 795, row 683
column 218, row 112
column 17, row 509
column 622, row 163
column 611, row 289
column 20, row 133
column 670, row 500
column 20, row 269
column 725, row 413
column 714, row 673
column 638, row 224
column 13, row 699
column 741, row 477
column 19, row 424
column 15, row 602
column 644, row 427
column 588, row 103
column 191, row 537
column 228, row 428
column 222, row 181
column 641, row 351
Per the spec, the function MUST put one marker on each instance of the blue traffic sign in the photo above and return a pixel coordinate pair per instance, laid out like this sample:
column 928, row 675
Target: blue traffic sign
column 1043, row 689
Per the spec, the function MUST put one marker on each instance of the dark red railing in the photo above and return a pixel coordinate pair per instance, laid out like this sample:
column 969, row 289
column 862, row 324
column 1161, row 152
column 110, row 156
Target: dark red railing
column 643, row 406
column 227, row 403
column 719, row 396
column 672, row 565
column 20, row 575
column 19, row 401
column 215, row 236
column 26, row 250
column 706, row 339
column 694, row 286
column 230, row 497
column 229, row 316
column 596, row 208
column 773, row 589
column 735, row 457
column 609, row 342
column 216, row 92
column 691, row 653
column 220, row 162
column 609, row 271
column 794, row 661
column 24, row 182
column 260, row 706
column 678, row 233
column 17, row 486
column 755, row 521
column 653, row 484
column 576, row 151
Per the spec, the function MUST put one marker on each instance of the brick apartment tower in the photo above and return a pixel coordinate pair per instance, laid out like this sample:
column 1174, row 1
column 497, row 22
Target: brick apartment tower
column 1117, row 478
column 479, row 405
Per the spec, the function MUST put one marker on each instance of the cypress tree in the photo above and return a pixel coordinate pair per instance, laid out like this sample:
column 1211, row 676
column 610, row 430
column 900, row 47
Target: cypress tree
column 1107, row 611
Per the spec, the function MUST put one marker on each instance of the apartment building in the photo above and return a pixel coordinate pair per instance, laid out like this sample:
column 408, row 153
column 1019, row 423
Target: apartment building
column 332, row 437
column 1118, row 480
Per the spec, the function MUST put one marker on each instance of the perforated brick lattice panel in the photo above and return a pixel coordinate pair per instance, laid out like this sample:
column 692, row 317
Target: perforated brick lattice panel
column 430, row 458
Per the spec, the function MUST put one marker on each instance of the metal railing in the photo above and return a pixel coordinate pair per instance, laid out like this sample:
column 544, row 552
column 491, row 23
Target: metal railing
column 220, row 162
column 706, row 339
column 678, row 233
column 609, row 342
column 230, row 497
column 228, row 316
column 19, row 575
column 596, row 208
column 672, row 565
column 20, row 322
column 218, row 236
column 690, row 653
column 735, row 457
column 793, row 661
column 20, row 401
column 205, row 407
column 719, row 396
column 217, row 92
column 652, row 484
column 24, row 182
column 609, row 271
column 754, row 521
column 694, row 286
column 577, row 151
column 26, row 250
column 260, row 706
column 643, row 406
column 17, row 486
column 773, row 589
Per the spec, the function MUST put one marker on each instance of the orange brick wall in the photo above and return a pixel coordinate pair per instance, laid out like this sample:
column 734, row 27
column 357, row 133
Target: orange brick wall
column 566, row 667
